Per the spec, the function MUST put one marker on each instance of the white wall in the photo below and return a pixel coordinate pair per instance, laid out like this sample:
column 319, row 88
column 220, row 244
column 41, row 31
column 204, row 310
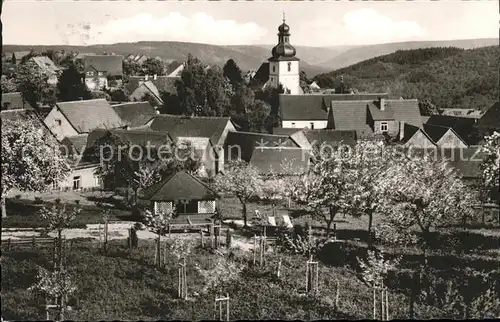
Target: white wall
column 87, row 178
column 92, row 85
column 302, row 124
column 219, row 146
column 289, row 79
column 60, row 131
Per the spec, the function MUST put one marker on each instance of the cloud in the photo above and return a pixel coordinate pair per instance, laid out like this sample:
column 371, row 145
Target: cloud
column 199, row 27
column 369, row 26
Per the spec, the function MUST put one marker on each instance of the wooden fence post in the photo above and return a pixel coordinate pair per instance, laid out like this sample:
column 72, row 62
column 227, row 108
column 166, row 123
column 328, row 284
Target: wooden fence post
column 387, row 305
column 337, row 295
column 334, row 231
column 254, row 248
column 374, row 304
column 279, row 269
column 382, row 309
column 202, row 239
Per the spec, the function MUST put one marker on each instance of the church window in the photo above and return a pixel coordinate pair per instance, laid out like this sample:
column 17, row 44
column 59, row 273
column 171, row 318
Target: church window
column 289, row 66
column 274, row 69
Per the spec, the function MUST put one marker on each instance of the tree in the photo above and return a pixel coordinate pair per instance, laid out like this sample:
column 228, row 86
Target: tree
column 153, row 66
column 270, row 95
column 490, row 166
column 324, row 189
column 367, row 164
column 218, row 92
column 233, row 73
column 258, row 116
column 425, row 194
column 8, row 85
column 34, row 86
column 427, row 108
column 241, row 180
column 117, row 95
column 58, row 218
column 131, row 68
column 71, row 86
column 171, row 103
column 31, row 159
column 147, row 97
column 158, row 223
column 304, row 81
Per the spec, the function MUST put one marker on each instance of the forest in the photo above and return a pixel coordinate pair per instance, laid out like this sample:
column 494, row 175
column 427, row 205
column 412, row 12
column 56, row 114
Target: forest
column 448, row 77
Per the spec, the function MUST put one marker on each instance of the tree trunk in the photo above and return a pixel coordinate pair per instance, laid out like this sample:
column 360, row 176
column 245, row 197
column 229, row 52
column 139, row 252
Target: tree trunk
column 329, row 220
column 244, row 214
column 135, row 196
column 4, row 208
column 60, row 250
column 370, row 223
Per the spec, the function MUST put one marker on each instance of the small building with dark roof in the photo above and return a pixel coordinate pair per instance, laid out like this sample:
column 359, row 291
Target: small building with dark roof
column 465, row 127
column 490, row 121
column 194, row 201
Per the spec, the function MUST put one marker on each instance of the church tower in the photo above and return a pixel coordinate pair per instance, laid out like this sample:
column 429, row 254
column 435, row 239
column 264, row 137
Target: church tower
column 283, row 65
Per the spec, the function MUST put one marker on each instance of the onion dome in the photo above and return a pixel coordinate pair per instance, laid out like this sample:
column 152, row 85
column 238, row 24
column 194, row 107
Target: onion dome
column 283, row 50
column 284, row 28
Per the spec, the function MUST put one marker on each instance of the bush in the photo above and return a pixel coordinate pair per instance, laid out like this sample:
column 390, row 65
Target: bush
column 38, row 201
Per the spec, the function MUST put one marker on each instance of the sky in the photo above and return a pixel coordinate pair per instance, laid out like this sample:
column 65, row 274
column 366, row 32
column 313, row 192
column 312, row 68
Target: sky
column 312, row 23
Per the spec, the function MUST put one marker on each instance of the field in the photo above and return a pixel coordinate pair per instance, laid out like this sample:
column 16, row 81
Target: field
column 125, row 285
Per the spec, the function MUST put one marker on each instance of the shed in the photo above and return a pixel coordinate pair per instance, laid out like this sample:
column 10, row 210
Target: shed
column 194, row 200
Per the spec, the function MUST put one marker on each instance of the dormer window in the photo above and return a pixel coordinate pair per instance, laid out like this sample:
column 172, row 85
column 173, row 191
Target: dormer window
column 289, row 66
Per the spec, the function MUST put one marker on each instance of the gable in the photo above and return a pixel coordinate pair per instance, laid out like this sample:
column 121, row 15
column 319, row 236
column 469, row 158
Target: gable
column 451, row 140
column 135, row 113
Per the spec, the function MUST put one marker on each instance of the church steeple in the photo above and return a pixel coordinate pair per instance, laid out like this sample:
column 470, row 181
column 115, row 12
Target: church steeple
column 283, row 48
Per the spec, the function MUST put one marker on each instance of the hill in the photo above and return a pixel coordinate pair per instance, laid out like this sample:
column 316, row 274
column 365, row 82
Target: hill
column 349, row 56
column 448, row 77
column 247, row 57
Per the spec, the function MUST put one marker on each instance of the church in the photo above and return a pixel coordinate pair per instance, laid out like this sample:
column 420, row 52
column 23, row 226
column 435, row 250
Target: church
column 282, row 67
column 366, row 113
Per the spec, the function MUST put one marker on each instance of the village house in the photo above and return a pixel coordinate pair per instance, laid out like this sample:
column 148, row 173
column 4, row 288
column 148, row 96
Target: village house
column 135, row 114
column 313, row 110
column 47, row 67
column 490, row 121
column 214, row 128
column 138, row 86
column 14, row 101
column 280, row 160
column 77, row 117
column 465, row 127
column 102, row 71
column 429, row 136
column 18, row 56
column 140, row 58
column 194, row 202
column 307, row 138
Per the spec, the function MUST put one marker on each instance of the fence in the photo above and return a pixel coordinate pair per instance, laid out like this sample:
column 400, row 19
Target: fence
column 33, row 242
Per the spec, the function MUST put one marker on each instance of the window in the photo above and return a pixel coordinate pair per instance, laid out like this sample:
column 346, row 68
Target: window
column 6, row 105
column 383, row 126
column 274, row 69
column 289, row 66
column 57, row 122
column 90, row 73
column 293, row 124
column 100, row 73
column 76, row 183
column 312, row 125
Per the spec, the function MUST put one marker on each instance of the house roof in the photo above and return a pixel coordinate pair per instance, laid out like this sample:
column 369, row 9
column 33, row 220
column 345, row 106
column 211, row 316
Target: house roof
column 249, row 141
column 45, row 64
column 491, row 118
column 285, row 131
column 462, row 112
column 174, row 69
column 283, row 160
column 435, row 132
column 406, row 110
column 162, row 83
column 196, row 126
column 463, row 126
column 15, row 115
column 301, row 139
column 87, row 115
column 111, row 64
column 77, row 143
column 380, row 115
column 315, row 106
column 135, row 113
column 20, row 54
column 331, row 137
column 16, row 101
column 135, row 137
column 179, row 186
column 261, row 76
column 350, row 115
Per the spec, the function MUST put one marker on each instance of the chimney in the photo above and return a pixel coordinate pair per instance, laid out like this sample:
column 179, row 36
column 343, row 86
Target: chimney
column 147, row 76
column 401, row 130
column 382, row 103
column 154, row 76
